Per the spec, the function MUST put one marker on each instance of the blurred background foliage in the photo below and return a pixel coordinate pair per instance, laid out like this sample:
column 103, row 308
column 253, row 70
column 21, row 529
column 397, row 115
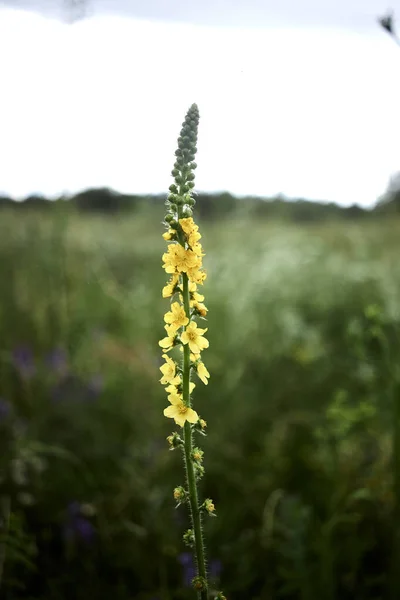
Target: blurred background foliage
column 302, row 405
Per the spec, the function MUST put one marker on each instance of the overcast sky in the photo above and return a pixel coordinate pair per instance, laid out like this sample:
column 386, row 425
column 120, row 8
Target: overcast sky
column 295, row 97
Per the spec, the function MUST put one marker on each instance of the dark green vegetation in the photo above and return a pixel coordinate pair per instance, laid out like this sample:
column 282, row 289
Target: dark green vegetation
column 301, row 405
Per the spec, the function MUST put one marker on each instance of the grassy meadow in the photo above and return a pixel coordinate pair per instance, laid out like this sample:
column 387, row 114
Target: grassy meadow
column 301, row 405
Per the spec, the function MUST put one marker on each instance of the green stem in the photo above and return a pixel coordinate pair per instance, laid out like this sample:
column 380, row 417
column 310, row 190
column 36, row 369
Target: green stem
column 188, row 438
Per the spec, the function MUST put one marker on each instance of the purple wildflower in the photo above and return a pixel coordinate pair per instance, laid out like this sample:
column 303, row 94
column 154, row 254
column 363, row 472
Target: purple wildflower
column 84, row 529
column 23, row 361
column 56, row 360
column 189, row 570
column 77, row 527
column 215, row 568
column 185, row 559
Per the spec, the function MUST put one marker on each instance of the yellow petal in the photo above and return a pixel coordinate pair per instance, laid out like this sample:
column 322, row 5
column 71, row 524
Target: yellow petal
column 180, row 419
column 171, row 412
column 166, row 343
column 191, row 416
column 175, row 399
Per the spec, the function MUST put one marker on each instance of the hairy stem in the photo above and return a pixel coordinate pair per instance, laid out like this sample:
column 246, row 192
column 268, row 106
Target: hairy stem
column 188, row 439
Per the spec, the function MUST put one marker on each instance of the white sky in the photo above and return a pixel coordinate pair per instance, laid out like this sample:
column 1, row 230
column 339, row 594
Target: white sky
column 310, row 113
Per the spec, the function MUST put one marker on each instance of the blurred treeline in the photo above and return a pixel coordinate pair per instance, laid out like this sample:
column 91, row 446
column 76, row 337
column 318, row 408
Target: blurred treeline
column 212, row 205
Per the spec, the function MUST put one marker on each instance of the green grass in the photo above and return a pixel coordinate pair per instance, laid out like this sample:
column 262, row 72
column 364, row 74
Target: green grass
column 299, row 405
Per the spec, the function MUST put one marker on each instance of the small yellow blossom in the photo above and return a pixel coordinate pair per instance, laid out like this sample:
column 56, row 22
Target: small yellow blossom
column 179, row 493
column 193, row 336
column 169, row 235
column 193, row 239
column 197, row 249
column 188, row 225
column 176, row 317
column 200, row 308
column 202, row 372
column 168, row 370
column 180, row 260
column 209, row 505
column 173, row 390
column 168, row 290
column 180, row 412
column 197, row 276
column 168, row 342
column 194, row 295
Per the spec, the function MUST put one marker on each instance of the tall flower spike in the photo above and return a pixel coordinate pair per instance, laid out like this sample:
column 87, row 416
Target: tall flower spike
column 183, row 262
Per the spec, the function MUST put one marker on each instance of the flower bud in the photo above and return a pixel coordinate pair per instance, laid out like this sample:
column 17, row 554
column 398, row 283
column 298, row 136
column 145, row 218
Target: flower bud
column 168, row 218
column 178, row 200
column 174, row 440
column 200, row 427
column 188, row 538
column 180, row 495
column 199, row 583
column 199, row 471
column 197, row 455
column 208, row 507
column 174, row 172
column 172, row 188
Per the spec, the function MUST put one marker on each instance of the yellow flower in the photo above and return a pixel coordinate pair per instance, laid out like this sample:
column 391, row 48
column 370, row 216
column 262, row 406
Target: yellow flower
column 193, row 336
column 180, row 412
column 194, row 295
column 173, row 390
column 168, row 342
column 188, row 225
column 197, row 276
column 202, row 372
column 169, row 235
column 178, row 259
column 169, row 289
column 176, row 317
column 169, row 258
column 195, row 298
column 200, row 308
column 168, row 370
column 209, row 505
column 197, row 249
column 193, row 239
